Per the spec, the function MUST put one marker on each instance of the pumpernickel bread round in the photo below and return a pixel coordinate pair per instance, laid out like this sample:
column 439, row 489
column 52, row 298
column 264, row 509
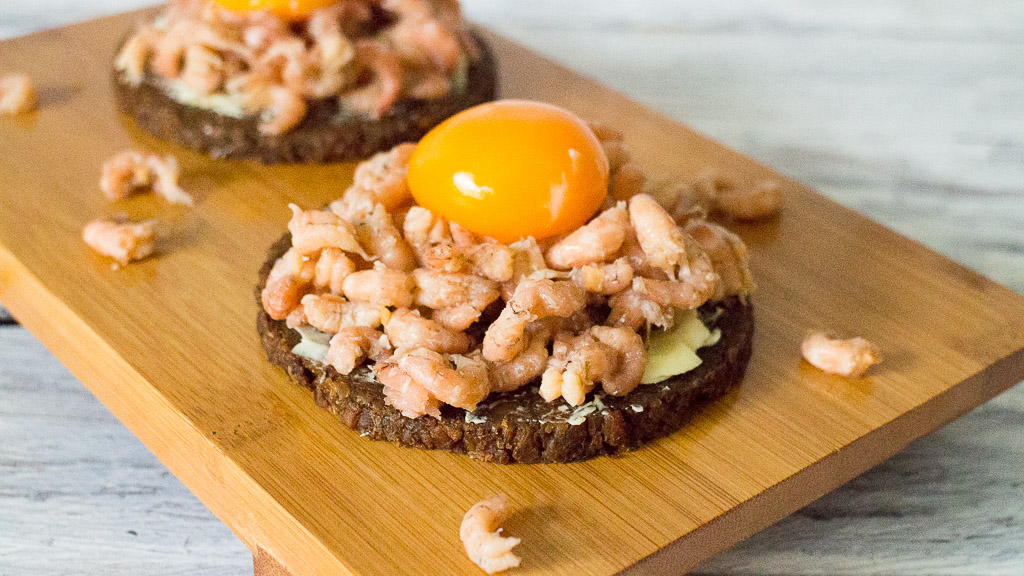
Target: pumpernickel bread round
column 328, row 132
column 521, row 426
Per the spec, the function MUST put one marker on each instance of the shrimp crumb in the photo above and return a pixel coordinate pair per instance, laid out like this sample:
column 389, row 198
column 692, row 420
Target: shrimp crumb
column 17, row 95
column 129, row 171
column 849, row 358
column 121, row 239
column 481, row 535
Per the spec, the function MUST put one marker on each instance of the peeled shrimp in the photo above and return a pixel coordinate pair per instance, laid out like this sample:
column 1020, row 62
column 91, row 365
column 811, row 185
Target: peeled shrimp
column 481, row 535
column 407, row 329
column 728, row 256
column 457, row 318
column 135, row 53
column 284, row 109
column 576, row 365
column 384, row 176
column 447, row 290
column 129, row 171
column 743, row 203
column 314, row 230
column 662, row 241
column 402, row 392
column 203, row 70
column 296, row 318
column 423, row 39
column 460, row 381
column 121, row 239
column 524, row 368
column 329, row 313
column 381, row 285
column 286, row 284
column 633, row 310
column 375, row 97
column 596, row 241
column 610, row 278
column 632, row 361
column 332, row 267
column 678, row 294
column 492, row 260
column 376, row 230
column 353, row 344
column 332, row 51
column 533, row 299
column 849, row 358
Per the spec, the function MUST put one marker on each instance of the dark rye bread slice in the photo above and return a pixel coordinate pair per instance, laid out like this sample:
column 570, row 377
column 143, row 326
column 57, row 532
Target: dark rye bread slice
column 520, row 426
column 328, row 133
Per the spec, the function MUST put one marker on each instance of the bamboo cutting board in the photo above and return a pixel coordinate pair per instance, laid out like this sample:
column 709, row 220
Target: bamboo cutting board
column 169, row 346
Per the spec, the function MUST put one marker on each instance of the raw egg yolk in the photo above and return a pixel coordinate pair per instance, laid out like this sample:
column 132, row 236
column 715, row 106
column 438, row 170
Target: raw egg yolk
column 511, row 169
column 287, row 9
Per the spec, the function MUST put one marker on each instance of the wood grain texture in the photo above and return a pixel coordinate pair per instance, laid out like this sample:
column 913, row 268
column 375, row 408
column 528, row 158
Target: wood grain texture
column 890, row 202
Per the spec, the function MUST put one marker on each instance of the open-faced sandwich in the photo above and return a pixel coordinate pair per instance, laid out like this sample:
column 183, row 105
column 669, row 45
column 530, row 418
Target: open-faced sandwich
column 300, row 80
column 505, row 289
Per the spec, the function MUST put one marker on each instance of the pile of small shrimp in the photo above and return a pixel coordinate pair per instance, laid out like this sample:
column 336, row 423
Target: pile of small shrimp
column 366, row 53
column 444, row 316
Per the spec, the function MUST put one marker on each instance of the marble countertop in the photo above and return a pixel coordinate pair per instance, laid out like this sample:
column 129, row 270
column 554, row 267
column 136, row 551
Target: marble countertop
column 907, row 111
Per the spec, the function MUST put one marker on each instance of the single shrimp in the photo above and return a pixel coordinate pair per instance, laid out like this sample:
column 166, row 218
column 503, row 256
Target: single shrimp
column 203, row 70
column 633, row 310
column 377, row 231
column 662, row 241
column 332, row 267
column 376, row 96
column 607, row 279
column 457, row 318
column 481, row 535
column 330, row 313
column 384, row 175
column 135, row 53
column 684, row 295
column 460, row 381
column 760, row 202
column 728, row 255
column 285, row 59
column 314, row 230
column 492, row 260
column 352, row 345
column 130, row 171
column 405, row 395
column 576, row 364
column 331, row 52
column 627, row 181
column 381, row 285
column 632, row 360
column 440, row 290
column 281, row 296
column 524, row 368
column 121, row 239
column 596, row 241
column 533, row 299
column 849, row 358
column 407, row 329
column 283, row 111
column 425, row 40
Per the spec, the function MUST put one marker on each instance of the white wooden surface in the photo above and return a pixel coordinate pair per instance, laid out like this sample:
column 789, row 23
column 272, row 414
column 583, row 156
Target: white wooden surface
column 907, row 110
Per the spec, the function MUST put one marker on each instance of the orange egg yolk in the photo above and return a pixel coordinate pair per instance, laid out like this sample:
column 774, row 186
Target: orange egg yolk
column 511, row 169
column 287, row 9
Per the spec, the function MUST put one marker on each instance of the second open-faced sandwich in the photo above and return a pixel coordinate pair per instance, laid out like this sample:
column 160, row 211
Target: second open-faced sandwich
column 301, row 80
column 505, row 288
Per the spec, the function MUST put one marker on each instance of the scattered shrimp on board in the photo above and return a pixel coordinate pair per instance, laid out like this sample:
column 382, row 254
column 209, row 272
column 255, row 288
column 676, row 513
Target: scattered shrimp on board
column 481, row 535
column 849, row 358
column 121, row 239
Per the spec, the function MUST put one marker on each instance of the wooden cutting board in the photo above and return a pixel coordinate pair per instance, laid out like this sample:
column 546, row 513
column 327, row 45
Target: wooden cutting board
column 169, row 346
